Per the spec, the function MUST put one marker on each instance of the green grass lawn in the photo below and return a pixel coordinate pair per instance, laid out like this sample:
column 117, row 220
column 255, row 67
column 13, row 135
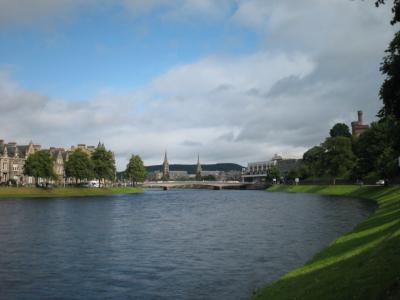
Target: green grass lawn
column 363, row 264
column 22, row 192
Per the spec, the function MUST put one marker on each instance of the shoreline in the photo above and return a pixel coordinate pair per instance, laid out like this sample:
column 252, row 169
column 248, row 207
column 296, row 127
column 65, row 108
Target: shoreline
column 9, row 193
column 362, row 264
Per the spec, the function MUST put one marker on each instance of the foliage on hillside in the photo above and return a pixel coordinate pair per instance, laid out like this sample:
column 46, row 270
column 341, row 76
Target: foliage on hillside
column 191, row 169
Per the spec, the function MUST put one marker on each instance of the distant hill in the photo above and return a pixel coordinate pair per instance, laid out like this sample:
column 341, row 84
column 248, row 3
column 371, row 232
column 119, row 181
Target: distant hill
column 191, row 169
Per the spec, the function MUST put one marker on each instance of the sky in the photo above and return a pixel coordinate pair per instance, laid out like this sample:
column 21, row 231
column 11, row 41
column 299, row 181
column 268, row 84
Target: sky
column 233, row 80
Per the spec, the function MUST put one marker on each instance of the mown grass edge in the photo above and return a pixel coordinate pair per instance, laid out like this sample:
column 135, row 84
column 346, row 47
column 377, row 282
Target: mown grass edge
column 363, row 264
column 22, row 192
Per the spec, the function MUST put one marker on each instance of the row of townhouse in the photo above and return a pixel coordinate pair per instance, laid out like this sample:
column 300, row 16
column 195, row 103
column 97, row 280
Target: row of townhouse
column 13, row 157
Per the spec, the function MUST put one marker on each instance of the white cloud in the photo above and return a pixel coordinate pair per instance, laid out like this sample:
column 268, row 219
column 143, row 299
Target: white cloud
column 185, row 104
column 318, row 65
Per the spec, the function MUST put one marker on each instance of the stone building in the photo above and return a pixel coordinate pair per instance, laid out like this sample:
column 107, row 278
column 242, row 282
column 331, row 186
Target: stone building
column 178, row 175
column 13, row 158
column 12, row 161
column 258, row 171
column 61, row 156
column 358, row 127
column 86, row 149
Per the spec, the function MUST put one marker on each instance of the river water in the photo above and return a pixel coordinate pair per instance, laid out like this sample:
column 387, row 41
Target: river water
column 178, row 244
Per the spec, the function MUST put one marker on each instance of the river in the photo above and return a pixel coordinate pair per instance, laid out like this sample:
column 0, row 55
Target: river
column 177, row 244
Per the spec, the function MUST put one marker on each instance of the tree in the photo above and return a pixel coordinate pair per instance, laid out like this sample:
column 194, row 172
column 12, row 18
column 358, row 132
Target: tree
column 209, row 177
column 79, row 166
column 387, row 164
column 304, row 171
column 370, row 146
column 390, row 89
column 273, row 173
column 293, row 173
column 340, row 129
column 313, row 160
column 103, row 164
column 390, row 68
column 395, row 10
column 338, row 157
column 199, row 177
column 39, row 165
column 135, row 170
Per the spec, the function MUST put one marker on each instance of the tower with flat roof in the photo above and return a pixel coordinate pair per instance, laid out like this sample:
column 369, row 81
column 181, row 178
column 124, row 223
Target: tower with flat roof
column 358, row 127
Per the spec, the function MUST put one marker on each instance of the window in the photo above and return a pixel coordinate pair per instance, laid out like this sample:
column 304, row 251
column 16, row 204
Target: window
column 15, row 168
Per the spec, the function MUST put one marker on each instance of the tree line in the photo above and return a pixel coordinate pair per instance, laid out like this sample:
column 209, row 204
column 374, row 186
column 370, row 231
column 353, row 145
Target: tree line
column 375, row 153
column 81, row 166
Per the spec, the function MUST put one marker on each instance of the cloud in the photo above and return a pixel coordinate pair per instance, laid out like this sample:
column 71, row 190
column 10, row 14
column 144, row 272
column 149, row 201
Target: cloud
column 47, row 13
column 286, row 19
column 318, row 64
column 185, row 110
column 190, row 143
column 38, row 12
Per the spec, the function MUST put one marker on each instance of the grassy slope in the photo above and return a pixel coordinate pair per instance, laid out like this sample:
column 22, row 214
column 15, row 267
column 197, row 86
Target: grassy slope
column 364, row 264
column 7, row 192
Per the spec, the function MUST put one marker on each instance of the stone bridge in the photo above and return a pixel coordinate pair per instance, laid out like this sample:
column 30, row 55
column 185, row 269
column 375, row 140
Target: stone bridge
column 212, row 185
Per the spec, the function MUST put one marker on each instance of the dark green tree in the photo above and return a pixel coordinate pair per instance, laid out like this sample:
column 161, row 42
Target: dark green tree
column 390, row 68
column 293, row 174
column 273, row 173
column 313, row 159
column 79, row 166
column 340, row 129
column 199, row 177
column 387, row 164
column 208, row 178
column 40, row 165
column 338, row 157
column 135, row 170
column 370, row 146
column 304, row 171
column 103, row 164
column 395, row 10
column 390, row 89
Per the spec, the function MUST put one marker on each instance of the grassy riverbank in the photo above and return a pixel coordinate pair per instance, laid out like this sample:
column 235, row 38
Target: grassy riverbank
column 22, row 192
column 363, row 264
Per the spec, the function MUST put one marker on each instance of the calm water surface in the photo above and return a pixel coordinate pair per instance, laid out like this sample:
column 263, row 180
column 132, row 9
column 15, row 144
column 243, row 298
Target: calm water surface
column 180, row 244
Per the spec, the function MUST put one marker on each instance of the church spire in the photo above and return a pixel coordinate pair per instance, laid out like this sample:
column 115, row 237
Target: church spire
column 198, row 168
column 165, row 167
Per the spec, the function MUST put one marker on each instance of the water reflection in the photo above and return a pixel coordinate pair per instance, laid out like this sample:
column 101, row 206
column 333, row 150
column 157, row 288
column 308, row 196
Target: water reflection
column 179, row 244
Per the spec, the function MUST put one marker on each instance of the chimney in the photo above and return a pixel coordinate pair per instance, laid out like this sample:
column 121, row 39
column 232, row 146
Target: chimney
column 360, row 116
